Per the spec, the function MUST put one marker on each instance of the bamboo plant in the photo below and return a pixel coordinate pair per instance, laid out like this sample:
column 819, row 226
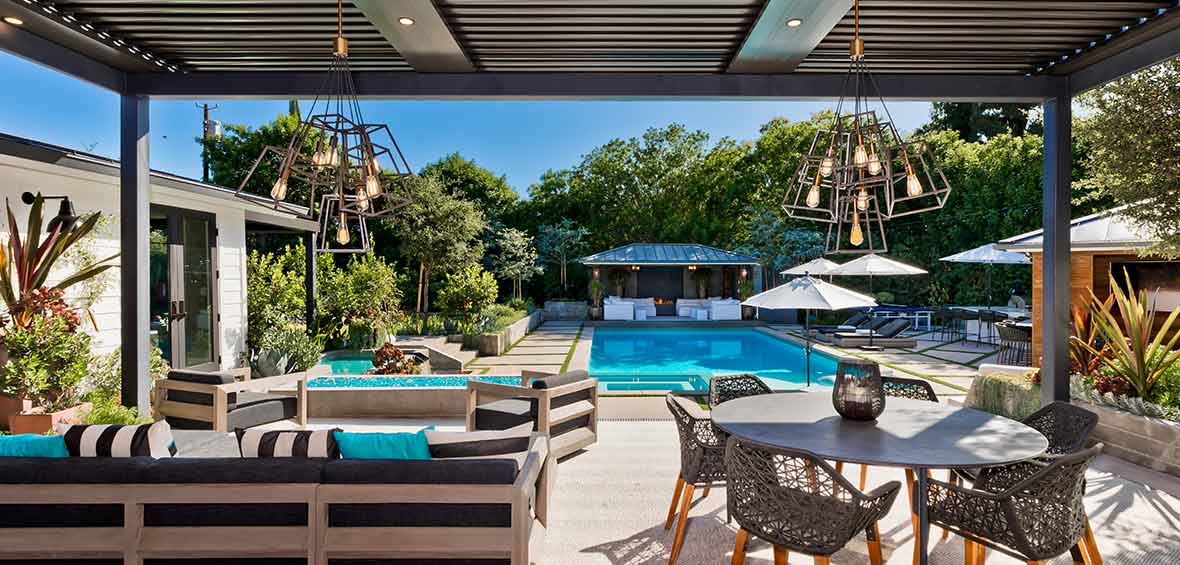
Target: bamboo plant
column 1137, row 353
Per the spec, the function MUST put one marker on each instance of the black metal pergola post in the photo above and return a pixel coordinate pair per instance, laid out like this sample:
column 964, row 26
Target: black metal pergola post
column 134, row 227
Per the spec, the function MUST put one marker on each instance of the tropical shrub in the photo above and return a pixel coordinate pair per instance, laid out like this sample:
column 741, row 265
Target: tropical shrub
column 391, row 360
column 500, row 316
column 1138, row 355
column 360, row 303
column 1085, row 340
column 109, row 411
column 33, row 260
column 275, row 293
column 287, row 349
column 46, row 362
column 467, row 291
column 105, row 378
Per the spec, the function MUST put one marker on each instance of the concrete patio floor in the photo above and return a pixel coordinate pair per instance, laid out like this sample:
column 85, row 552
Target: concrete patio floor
column 611, row 501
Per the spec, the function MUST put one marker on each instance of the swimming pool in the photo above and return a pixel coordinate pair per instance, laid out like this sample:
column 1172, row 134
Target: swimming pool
column 396, row 381
column 686, row 358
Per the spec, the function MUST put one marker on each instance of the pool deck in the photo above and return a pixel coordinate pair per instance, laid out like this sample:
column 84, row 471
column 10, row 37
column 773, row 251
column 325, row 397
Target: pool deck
column 546, row 350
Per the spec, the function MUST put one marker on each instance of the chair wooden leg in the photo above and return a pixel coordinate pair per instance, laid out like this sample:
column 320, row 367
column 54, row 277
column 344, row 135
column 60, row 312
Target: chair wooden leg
column 968, row 552
column 909, row 487
column 840, row 467
column 874, row 543
column 675, row 500
column 820, row 560
column 1036, row 563
column 780, row 555
column 739, row 548
column 1091, row 545
column 705, row 492
column 980, row 554
column 686, row 500
column 1078, row 553
column 864, row 476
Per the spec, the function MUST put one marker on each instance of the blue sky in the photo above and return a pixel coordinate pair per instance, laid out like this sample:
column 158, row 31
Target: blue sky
column 519, row 139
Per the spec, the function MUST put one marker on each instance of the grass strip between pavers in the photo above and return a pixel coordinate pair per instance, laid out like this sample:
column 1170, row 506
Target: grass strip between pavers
column 930, row 378
column 569, row 356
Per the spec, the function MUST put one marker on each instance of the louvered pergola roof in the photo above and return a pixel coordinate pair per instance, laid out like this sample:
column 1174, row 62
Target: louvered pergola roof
column 1008, row 49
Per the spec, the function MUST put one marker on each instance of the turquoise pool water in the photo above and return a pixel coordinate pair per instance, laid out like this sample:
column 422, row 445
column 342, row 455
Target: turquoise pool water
column 686, row 358
column 354, row 363
column 391, row 381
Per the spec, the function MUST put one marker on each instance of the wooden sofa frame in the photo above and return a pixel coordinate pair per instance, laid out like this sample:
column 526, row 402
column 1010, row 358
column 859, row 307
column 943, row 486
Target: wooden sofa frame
column 562, row 445
column 317, row 542
column 217, row 414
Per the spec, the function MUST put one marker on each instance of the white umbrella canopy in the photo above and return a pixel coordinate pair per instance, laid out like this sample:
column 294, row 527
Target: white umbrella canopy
column 874, row 265
column 819, row 266
column 808, row 293
column 989, row 255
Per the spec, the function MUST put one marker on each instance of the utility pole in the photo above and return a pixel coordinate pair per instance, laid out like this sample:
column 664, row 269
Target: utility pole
column 209, row 130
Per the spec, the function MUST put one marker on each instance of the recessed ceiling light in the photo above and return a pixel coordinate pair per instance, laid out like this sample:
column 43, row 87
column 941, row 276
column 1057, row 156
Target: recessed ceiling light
column 794, row 22
column 406, row 21
column 14, row 21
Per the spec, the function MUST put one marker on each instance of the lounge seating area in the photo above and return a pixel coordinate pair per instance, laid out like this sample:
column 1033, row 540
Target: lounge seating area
column 228, row 400
column 696, row 309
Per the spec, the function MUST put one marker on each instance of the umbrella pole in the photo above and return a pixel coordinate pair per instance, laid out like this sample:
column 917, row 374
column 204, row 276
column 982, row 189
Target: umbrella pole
column 807, row 336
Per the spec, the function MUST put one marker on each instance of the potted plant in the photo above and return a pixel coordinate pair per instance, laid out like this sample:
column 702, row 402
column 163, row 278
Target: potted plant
column 40, row 324
column 701, row 278
column 596, row 291
column 48, row 358
column 746, row 290
column 618, row 280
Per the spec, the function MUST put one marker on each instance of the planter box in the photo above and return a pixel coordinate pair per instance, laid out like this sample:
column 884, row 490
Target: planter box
column 40, row 423
column 10, row 405
column 491, row 345
column 1145, row 441
column 1005, row 392
column 566, row 310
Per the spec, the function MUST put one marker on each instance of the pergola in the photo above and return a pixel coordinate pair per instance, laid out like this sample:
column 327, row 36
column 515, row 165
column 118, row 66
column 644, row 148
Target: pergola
column 938, row 50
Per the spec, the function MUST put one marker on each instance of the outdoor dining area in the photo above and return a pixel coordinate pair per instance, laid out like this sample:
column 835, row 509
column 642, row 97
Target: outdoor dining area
column 788, row 463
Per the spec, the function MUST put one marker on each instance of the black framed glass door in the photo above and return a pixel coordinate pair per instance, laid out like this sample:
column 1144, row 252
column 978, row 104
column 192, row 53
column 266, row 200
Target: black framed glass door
column 183, row 280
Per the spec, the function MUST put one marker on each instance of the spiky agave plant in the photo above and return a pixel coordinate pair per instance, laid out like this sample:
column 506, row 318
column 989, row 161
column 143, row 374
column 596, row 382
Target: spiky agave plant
column 1138, row 354
column 25, row 264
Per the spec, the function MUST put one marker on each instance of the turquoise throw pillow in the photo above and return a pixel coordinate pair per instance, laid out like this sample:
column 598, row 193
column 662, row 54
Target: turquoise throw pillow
column 384, row 445
column 33, row 445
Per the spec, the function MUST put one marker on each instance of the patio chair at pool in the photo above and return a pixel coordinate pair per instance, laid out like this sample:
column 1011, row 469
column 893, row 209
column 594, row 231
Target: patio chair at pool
column 702, row 461
column 854, row 321
column 889, row 335
column 1030, row 511
column 226, row 400
column 871, row 324
column 564, row 406
column 797, row 502
column 723, row 388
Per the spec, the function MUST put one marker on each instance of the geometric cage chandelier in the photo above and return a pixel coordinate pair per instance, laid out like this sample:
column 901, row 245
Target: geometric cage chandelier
column 859, row 172
column 331, row 169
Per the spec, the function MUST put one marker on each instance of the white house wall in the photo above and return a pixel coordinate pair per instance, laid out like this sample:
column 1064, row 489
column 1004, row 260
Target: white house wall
column 97, row 192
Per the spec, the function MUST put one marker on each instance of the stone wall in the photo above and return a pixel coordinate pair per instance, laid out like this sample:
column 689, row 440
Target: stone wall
column 491, row 345
column 565, row 310
column 1141, row 440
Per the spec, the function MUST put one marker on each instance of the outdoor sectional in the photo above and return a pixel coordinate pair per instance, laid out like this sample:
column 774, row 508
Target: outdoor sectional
column 565, row 406
column 288, row 510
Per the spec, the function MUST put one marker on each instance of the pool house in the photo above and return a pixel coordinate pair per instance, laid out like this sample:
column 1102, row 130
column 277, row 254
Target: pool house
column 673, row 281
column 738, row 455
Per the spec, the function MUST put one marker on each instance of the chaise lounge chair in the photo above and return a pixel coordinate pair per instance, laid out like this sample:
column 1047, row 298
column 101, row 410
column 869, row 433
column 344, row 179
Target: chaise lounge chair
column 856, row 320
column 889, row 335
column 872, row 324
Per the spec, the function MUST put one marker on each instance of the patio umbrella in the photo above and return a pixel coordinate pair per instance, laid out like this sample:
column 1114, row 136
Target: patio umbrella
column 820, row 266
column 808, row 293
column 989, row 255
column 873, row 265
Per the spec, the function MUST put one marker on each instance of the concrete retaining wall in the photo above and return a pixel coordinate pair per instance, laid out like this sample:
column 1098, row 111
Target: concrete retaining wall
column 563, row 310
column 386, row 402
column 491, row 345
column 1141, row 440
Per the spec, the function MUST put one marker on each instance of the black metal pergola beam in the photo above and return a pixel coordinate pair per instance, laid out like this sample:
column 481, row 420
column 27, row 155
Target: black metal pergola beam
column 487, row 85
column 1137, row 49
column 44, row 52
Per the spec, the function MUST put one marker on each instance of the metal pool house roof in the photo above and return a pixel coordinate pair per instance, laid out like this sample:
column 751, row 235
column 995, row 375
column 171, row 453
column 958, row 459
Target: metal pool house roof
column 667, row 255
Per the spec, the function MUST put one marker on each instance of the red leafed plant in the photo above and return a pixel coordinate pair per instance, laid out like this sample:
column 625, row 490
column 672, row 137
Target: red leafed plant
column 1087, row 352
column 389, row 360
column 26, row 263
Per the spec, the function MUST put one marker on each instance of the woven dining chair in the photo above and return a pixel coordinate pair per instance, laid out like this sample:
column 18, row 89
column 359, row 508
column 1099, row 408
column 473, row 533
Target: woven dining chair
column 798, row 503
column 1032, row 516
column 702, row 461
column 723, row 388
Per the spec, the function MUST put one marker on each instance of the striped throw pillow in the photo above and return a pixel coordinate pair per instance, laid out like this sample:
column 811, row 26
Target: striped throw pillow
column 512, row 443
column 110, row 440
column 267, row 444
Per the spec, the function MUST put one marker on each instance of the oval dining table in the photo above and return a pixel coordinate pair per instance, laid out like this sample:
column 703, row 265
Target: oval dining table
column 910, row 434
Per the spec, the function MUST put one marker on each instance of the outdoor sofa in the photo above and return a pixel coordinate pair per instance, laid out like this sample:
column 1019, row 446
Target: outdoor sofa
column 889, row 335
column 280, row 510
column 227, row 400
column 618, row 310
column 718, row 308
column 565, row 406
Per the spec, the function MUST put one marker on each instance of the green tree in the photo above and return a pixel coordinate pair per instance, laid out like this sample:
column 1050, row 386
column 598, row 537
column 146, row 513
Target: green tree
column 439, row 231
column 1133, row 133
column 275, row 293
column 560, row 243
column 778, row 246
column 465, row 179
column 232, row 156
column 361, row 301
column 517, row 259
column 980, row 121
column 467, row 291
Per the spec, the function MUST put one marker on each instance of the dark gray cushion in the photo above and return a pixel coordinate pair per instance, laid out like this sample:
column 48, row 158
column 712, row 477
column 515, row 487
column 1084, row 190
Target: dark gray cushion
column 418, row 561
column 73, row 470
column 61, row 516
column 504, row 414
column 433, row 472
column 252, row 409
column 200, row 378
column 420, row 515
column 227, row 515
column 562, row 379
column 233, row 470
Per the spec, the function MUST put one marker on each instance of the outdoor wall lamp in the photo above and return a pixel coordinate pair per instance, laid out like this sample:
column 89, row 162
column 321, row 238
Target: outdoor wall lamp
column 66, row 216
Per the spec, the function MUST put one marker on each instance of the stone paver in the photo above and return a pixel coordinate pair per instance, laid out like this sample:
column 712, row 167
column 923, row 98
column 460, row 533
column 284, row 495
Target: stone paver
column 543, row 350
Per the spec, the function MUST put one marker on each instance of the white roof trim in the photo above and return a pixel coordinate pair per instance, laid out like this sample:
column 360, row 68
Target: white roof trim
column 1105, row 231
